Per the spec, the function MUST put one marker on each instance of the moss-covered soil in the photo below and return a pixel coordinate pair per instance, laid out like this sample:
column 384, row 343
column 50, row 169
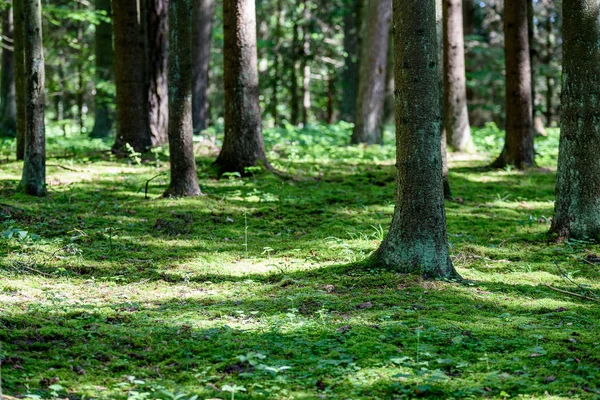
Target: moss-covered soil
column 258, row 289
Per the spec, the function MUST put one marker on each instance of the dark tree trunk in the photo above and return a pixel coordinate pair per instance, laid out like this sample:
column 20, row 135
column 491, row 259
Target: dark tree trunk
column 184, row 181
column 388, row 103
column 8, row 106
column 351, row 49
column 80, row 83
column 33, row 181
column 276, row 63
column 456, row 114
column 549, row 81
column 130, row 77
column 20, row 82
column 577, row 208
column 243, row 143
column 202, row 16
column 103, row 119
column 417, row 239
column 294, row 96
column 439, row 24
column 157, row 51
column 468, row 17
column 372, row 70
column 518, row 148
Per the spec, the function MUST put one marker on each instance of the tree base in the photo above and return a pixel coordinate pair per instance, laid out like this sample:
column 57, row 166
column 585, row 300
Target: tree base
column 32, row 189
column 520, row 161
column 188, row 190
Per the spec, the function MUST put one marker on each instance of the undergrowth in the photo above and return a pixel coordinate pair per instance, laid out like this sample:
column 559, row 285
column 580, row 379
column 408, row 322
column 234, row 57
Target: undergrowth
column 258, row 289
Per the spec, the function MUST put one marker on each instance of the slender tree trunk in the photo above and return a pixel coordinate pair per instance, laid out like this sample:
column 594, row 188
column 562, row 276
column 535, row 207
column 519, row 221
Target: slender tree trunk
column 577, row 208
column 103, row 119
column 456, row 114
column 439, row 24
column 549, row 81
column 388, row 103
column 417, row 239
column 243, row 143
column 184, row 181
column 20, row 82
column 80, row 84
column 330, row 96
column 157, row 51
column 372, row 69
column 294, row 96
column 130, row 77
column 306, row 101
column 468, row 9
column 273, row 106
column 8, row 107
column 203, row 12
column 351, row 48
column 518, row 148
column 33, row 181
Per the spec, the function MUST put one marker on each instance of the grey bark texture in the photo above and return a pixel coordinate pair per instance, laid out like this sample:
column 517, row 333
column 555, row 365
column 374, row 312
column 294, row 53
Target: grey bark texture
column 202, row 23
column 184, row 181
column 417, row 242
column 103, row 118
column 20, row 83
column 456, row 114
column 33, row 181
column 518, row 147
column 352, row 22
column 372, row 72
column 8, row 106
column 243, row 143
column 577, row 207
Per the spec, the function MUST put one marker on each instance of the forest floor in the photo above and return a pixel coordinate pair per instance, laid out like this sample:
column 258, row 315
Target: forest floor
column 259, row 288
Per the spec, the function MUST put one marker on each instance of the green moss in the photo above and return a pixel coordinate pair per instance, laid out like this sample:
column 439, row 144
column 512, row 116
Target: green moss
column 175, row 294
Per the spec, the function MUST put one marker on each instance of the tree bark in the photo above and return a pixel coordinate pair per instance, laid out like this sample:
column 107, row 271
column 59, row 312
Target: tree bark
column 439, row 24
column 372, row 73
column 577, row 207
column 294, row 96
column 388, row 102
column 351, row 49
column 518, row 148
column 157, row 52
column 456, row 114
column 130, row 77
column 103, row 118
column 20, row 82
column 33, row 181
column 549, row 81
column 417, row 242
column 306, row 101
column 468, row 11
column 202, row 15
column 184, row 181
column 243, row 143
column 8, row 107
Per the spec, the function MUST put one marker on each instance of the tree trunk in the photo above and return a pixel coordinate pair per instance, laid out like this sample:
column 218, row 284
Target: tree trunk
column 202, row 22
column 306, row 102
column 577, row 207
column 372, row 67
column 549, row 81
column 184, row 181
column 456, row 114
column 388, row 102
column 518, row 148
column 351, row 49
column 417, row 239
column 294, row 96
column 20, row 82
column 130, row 77
column 157, row 52
column 8, row 107
column 33, row 181
column 103, row 119
column 439, row 24
column 468, row 17
column 243, row 143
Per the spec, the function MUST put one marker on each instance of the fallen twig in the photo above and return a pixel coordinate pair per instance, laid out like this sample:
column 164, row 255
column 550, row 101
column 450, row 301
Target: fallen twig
column 570, row 293
column 63, row 167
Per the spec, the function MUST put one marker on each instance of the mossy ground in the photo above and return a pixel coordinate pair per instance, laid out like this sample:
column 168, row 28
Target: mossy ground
column 257, row 289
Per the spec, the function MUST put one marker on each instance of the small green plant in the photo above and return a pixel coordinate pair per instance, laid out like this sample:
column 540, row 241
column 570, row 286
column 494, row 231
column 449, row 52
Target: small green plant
column 134, row 156
column 233, row 389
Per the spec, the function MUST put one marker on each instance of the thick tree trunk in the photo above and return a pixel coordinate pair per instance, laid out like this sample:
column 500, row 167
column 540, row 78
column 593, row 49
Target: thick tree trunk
column 518, row 148
column 103, row 119
column 456, row 114
column 577, row 208
column 417, row 239
column 33, row 181
column 130, row 77
column 157, row 52
column 372, row 70
column 351, row 49
column 20, row 82
column 243, row 143
column 184, row 181
column 8, row 106
column 202, row 16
